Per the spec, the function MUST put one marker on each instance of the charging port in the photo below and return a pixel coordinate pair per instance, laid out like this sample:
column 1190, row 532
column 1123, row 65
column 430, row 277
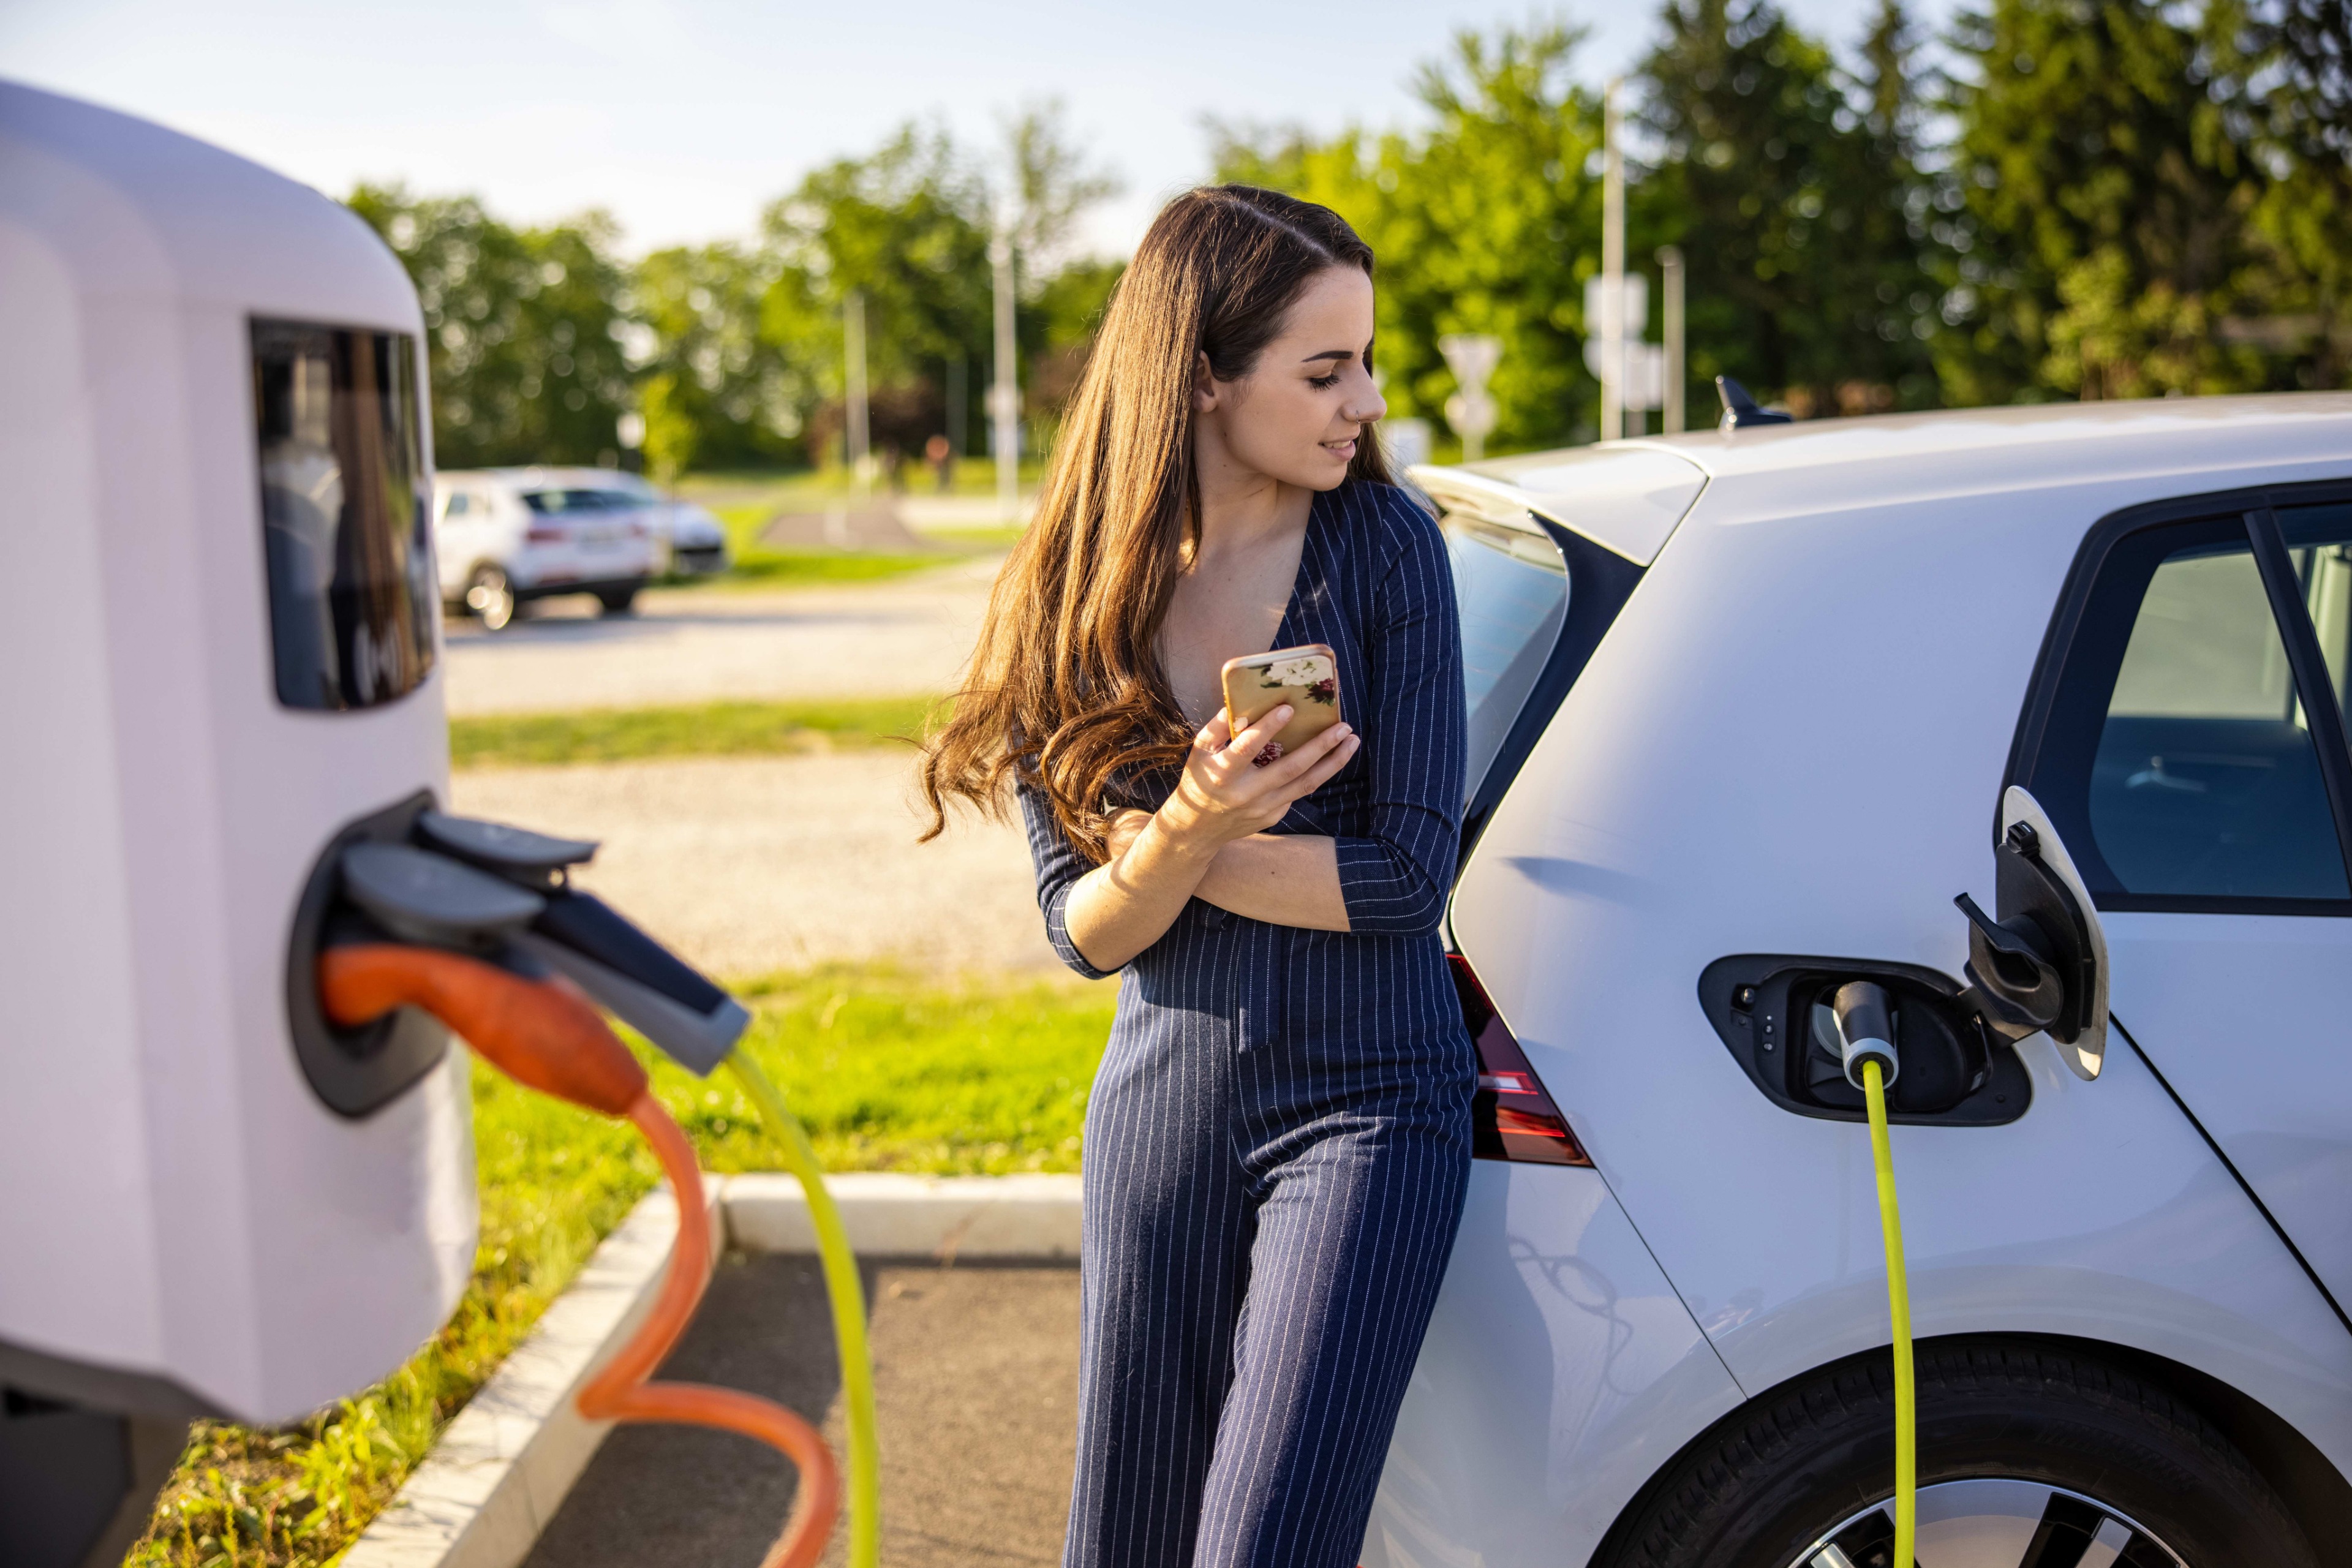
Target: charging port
column 1776, row 1014
column 354, row 1071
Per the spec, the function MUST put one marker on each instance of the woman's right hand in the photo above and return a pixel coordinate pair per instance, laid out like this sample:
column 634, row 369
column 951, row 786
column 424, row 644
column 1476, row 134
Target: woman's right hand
column 1224, row 797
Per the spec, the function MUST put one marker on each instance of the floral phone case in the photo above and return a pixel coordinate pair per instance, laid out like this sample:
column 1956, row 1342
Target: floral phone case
column 1306, row 678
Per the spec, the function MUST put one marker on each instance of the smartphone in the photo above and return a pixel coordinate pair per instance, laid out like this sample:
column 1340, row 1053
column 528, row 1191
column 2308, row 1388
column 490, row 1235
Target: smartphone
column 1308, row 677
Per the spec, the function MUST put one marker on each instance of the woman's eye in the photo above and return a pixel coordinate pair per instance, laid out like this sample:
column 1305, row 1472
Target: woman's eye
column 1323, row 383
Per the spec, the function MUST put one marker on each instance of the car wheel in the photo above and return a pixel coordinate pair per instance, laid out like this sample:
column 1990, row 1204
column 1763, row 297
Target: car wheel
column 491, row 598
column 617, row 601
column 2027, row 1457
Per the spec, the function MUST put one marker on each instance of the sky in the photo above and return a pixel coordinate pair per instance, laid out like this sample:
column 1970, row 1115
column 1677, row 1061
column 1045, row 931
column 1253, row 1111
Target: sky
column 684, row 118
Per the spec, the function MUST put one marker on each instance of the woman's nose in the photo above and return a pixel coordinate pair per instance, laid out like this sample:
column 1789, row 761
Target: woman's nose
column 1366, row 407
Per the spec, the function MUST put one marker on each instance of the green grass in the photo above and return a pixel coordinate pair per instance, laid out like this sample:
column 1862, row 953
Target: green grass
column 766, row 568
column 744, row 503
column 702, row 728
column 888, row 1072
column 780, row 487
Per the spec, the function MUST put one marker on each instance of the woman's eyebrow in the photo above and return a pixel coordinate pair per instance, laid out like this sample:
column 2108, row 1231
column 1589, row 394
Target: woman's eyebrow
column 1329, row 354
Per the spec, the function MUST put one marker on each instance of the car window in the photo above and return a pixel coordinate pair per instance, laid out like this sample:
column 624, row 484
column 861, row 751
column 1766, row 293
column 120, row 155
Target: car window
column 2181, row 764
column 2319, row 540
column 1513, row 588
column 459, row 504
column 547, row 501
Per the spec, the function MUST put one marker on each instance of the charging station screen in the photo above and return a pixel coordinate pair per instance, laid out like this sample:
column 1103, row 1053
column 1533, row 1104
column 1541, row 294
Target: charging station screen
column 345, row 515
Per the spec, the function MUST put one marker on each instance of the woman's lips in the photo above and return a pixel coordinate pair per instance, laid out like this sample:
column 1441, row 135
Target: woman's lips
column 1343, row 451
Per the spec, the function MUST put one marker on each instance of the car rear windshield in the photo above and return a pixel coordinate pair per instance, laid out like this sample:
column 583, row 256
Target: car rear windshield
column 1536, row 599
column 1513, row 590
column 554, row 501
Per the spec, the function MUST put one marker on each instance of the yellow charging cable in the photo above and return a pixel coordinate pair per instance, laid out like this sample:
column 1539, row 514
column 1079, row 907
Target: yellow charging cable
column 848, row 1300
column 1898, row 1303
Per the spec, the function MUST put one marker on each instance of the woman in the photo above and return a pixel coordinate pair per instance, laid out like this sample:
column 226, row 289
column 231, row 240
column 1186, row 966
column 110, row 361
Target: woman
column 1278, row 1139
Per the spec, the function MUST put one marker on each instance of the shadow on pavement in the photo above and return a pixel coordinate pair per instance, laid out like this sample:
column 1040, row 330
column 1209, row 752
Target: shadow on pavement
column 976, row 1384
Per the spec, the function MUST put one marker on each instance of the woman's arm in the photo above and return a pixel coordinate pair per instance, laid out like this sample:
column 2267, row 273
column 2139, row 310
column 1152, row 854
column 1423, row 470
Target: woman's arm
column 1282, row 878
column 1122, row 906
column 1393, row 880
column 1395, row 876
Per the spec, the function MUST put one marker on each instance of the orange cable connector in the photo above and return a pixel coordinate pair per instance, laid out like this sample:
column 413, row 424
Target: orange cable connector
column 547, row 1036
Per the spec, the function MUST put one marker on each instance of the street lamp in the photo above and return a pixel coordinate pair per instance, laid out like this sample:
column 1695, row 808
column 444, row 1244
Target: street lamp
column 1004, row 397
column 852, row 347
column 1612, row 268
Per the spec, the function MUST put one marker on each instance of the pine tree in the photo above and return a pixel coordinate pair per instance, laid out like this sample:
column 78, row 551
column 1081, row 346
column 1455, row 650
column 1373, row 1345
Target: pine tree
column 1792, row 189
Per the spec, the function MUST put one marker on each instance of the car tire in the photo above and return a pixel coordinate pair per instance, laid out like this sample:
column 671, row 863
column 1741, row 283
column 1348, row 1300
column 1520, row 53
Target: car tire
column 1811, row 1460
column 491, row 598
column 617, row 601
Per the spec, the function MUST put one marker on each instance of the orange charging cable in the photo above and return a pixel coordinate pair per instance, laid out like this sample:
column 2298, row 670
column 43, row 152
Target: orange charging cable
column 547, row 1036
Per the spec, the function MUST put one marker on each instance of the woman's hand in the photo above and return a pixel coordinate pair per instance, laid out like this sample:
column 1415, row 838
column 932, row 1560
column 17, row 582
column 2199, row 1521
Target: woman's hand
column 1224, row 796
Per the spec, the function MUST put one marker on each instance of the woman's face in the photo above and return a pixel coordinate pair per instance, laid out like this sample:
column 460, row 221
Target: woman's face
column 1296, row 416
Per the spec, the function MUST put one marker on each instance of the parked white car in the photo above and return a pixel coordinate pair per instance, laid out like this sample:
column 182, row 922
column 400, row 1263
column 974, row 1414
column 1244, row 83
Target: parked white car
column 1749, row 709
column 692, row 542
column 504, row 537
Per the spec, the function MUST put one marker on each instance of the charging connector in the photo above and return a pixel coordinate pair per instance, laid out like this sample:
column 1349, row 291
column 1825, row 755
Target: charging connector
column 1865, row 1030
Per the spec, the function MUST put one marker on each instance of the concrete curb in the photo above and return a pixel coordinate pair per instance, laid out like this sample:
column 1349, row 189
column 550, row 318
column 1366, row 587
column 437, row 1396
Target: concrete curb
column 503, row 1467
column 1032, row 1217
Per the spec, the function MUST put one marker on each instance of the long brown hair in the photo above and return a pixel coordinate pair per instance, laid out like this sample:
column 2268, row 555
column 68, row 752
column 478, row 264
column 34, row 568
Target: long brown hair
column 1066, row 689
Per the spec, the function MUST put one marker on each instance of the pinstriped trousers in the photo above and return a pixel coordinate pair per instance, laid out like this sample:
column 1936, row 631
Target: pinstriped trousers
column 1265, row 1228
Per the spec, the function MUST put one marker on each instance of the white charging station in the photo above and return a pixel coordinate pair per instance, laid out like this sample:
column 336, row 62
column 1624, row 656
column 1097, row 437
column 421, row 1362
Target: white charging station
column 216, row 654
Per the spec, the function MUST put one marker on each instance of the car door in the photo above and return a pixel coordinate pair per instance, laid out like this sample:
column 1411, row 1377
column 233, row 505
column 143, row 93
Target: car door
column 2186, row 738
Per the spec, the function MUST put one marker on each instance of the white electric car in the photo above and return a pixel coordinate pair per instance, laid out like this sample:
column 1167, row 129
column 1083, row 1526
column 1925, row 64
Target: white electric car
column 693, row 543
column 1749, row 709
column 504, row 537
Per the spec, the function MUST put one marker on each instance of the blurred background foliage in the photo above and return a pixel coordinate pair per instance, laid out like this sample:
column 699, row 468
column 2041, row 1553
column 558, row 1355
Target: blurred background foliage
column 2056, row 199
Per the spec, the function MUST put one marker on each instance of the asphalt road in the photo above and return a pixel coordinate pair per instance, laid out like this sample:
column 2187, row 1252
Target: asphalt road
column 976, row 1389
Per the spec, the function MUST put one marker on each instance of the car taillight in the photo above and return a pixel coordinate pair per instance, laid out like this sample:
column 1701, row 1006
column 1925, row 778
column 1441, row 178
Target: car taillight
column 545, row 533
column 1512, row 1117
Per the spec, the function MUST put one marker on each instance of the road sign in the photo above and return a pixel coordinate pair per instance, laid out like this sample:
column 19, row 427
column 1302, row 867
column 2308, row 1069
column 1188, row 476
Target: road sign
column 1472, row 357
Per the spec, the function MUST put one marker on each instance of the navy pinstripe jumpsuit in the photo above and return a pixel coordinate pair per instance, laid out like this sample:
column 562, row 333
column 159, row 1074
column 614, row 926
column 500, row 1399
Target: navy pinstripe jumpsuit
column 1279, row 1140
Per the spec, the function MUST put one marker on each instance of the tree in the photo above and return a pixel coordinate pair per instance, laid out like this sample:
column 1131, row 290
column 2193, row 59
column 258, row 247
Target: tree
column 2291, row 63
column 2112, row 189
column 1792, row 188
column 523, row 329
column 1487, row 222
column 904, row 228
column 1049, row 184
column 718, row 390
column 1047, row 187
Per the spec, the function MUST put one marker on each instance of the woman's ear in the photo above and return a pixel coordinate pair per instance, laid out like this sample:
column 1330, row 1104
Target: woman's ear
column 1204, row 384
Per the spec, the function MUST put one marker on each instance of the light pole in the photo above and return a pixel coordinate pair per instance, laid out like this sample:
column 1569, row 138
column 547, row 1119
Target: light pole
column 853, row 343
column 1004, row 397
column 1670, row 276
column 1612, row 268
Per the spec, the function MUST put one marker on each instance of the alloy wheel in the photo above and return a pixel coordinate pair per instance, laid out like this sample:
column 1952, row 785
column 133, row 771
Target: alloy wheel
column 1994, row 1523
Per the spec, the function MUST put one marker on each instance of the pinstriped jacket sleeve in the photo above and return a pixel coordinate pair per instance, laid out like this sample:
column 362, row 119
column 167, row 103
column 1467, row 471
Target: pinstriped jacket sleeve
column 1059, row 867
column 1416, row 728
